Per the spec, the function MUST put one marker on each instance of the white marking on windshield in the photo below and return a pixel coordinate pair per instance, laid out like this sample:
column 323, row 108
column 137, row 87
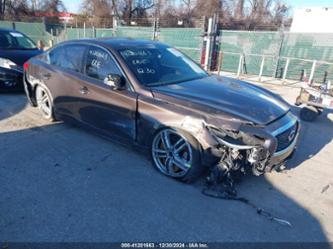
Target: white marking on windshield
column 15, row 34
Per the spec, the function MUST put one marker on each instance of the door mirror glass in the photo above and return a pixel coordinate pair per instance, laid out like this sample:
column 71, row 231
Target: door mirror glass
column 115, row 81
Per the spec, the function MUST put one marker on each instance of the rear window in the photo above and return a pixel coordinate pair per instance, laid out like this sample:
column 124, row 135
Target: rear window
column 15, row 40
column 68, row 57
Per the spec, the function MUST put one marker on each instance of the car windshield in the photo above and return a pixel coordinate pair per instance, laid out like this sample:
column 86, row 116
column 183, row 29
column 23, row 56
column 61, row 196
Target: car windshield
column 155, row 66
column 15, row 40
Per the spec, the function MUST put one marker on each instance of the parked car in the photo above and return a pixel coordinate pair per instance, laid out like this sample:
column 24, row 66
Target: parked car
column 15, row 49
column 152, row 95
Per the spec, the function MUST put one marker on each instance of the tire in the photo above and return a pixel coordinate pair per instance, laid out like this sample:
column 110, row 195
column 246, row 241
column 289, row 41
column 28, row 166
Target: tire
column 44, row 102
column 309, row 113
column 177, row 154
column 298, row 101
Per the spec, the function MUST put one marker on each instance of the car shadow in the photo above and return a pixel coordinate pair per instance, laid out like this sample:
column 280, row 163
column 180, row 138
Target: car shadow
column 11, row 104
column 313, row 138
column 63, row 184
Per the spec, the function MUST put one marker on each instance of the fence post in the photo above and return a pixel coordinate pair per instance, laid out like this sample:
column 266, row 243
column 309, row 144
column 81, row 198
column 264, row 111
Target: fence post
column 219, row 64
column 261, row 67
column 279, row 51
column 51, row 43
column 208, row 43
column 240, row 65
column 94, row 32
column 84, row 30
column 66, row 34
column 114, row 26
column 285, row 71
column 155, row 29
column 312, row 71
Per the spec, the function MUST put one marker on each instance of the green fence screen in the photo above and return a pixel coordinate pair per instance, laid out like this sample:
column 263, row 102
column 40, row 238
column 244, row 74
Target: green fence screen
column 276, row 47
column 187, row 40
column 135, row 32
column 36, row 31
column 252, row 45
column 301, row 49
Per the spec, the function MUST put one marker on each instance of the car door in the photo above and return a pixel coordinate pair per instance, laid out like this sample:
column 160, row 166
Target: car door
column 109, row 110
column 63, row 76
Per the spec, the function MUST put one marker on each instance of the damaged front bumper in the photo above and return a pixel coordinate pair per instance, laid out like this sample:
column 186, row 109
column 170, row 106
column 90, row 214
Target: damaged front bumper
column 259, row 149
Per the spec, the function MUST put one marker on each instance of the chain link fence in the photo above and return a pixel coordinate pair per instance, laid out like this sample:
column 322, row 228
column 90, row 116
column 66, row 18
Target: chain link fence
column 283, row 55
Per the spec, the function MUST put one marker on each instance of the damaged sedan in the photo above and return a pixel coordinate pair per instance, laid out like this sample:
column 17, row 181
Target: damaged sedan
column 152, row 95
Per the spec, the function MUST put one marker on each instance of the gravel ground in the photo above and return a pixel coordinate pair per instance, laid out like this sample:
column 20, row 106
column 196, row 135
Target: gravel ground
column 60, row 183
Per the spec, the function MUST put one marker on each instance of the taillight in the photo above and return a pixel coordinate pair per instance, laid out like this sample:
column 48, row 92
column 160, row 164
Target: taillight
column 26, row 66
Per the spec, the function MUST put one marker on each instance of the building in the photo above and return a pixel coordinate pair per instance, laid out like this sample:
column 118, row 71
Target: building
column 313, row 20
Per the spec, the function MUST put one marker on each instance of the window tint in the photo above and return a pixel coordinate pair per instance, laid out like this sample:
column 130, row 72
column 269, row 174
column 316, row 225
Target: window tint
column 55, row 56
column 68, row 57
column 15, row 40
column 99, row 64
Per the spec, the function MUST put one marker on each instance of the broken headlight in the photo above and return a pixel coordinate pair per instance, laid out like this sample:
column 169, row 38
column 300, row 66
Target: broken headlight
column 231, row 139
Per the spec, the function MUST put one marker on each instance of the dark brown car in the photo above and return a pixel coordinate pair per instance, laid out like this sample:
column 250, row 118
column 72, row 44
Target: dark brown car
column 150, row 94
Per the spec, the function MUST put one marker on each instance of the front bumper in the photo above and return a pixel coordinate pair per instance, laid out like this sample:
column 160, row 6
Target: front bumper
column 280, row 157
column 10, row 80
column 279, row 141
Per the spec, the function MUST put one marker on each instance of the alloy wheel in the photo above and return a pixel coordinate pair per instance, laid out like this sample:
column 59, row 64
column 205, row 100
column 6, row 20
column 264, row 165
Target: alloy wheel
column 172, row 154
column 44, row 102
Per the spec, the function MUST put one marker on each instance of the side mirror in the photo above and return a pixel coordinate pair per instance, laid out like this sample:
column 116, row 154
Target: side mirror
column 115, row 81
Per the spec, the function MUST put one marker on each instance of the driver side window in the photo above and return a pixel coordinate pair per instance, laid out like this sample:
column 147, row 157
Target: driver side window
column 99, row 64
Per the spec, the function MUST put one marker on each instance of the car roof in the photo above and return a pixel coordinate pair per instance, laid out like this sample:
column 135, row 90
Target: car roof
column 8, row 30
column 118, row 43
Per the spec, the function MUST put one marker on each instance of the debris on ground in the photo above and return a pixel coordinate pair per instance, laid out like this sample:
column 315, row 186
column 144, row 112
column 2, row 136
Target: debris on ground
column 324, row 189
column 221, row 184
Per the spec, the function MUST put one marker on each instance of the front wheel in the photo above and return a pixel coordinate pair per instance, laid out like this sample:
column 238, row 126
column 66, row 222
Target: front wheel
column 177, row 154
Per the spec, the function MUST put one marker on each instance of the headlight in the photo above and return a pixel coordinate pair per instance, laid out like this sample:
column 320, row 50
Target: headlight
column 229, row 139
column 6, row 63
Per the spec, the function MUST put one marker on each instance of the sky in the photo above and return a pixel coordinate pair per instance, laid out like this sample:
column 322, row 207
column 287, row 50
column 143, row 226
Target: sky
column 74, row 5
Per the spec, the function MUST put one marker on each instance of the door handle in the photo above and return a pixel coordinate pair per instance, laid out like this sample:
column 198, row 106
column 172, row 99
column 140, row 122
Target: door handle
column 84, row 90
column 46, row 76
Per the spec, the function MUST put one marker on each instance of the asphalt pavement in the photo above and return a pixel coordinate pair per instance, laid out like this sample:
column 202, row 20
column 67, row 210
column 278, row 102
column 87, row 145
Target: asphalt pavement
column 61, row 183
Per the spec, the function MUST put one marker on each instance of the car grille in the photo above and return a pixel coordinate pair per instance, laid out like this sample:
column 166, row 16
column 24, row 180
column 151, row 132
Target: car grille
column 286, row 138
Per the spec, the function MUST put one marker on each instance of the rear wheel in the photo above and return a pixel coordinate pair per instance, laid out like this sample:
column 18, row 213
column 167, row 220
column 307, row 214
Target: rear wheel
column 176, row 154
column 44, row 102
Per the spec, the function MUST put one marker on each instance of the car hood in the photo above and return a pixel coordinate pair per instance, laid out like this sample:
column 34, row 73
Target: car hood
column 221, row 95
column 19, row 56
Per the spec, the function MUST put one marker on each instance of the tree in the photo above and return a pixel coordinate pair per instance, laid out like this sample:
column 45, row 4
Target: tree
column 16, row 9
column 187, row 11
column 136, row 9
column 239, row 12
column 2, row 8
column 98, row 12
column 53, row 6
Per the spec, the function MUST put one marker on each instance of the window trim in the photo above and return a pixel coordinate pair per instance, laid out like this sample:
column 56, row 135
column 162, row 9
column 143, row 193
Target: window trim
column 129, row 88
column 64, row 46
column 87, row 43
